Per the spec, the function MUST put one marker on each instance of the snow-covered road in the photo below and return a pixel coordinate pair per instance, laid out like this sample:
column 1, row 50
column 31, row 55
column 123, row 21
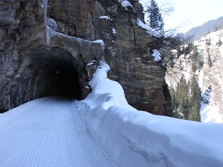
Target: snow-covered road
column 103, row 130
column 47, row 132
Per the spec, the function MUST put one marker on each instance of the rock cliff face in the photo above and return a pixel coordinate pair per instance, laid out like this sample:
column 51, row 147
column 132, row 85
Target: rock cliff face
column 45, row 46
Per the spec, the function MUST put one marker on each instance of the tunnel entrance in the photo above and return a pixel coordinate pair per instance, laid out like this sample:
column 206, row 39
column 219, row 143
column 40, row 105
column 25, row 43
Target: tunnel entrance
column 62, row 79
column 54, row 73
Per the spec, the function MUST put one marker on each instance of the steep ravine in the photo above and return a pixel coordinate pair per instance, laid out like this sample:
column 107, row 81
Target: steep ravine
column 209, row 75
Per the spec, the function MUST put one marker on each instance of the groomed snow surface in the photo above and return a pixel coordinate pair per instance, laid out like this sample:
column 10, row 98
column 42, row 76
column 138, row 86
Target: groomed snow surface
column 47, row 133
column 103, row 130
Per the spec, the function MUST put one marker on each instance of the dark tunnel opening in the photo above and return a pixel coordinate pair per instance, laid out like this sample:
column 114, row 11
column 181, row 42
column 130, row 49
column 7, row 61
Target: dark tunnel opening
column 62, row 80
column 45, row 72
column 55, row 74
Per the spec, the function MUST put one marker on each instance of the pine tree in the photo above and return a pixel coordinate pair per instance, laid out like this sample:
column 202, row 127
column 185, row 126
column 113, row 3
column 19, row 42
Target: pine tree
column 189, row 48
column 179, row 52
column 208, row 41
column 155, row 17
column 182, row 96
column 174, row 102
column 219, row 43
column 186, row 100
column 209, row 59
column 194, row 113
column 195, row 59
column 195, row 90
column 173, row 98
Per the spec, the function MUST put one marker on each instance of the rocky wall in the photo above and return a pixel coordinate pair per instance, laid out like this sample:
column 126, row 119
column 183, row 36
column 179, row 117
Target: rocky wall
column 29, row 49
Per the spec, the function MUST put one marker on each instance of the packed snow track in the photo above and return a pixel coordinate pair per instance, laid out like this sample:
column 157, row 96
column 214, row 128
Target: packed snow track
column 47, row 132
column 103, row 130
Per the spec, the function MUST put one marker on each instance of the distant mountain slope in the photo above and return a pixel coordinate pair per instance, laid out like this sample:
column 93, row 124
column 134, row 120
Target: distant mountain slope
column 200, row 31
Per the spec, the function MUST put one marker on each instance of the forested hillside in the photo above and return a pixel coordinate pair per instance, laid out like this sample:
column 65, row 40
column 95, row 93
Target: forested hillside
column 200, row 31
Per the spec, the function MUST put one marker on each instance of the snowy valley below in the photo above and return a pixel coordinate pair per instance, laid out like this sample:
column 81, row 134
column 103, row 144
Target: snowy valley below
column 103, row 130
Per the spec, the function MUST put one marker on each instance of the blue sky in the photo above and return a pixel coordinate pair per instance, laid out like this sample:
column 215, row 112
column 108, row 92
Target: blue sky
column 191, row 13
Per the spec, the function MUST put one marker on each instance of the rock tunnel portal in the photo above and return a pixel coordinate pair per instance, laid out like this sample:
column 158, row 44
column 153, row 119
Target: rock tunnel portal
column 53, row 73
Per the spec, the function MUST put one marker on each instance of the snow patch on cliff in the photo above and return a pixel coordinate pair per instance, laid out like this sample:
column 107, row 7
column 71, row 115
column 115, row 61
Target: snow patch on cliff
column 148, row 28
column 126, row 4
column 50, row 33
column 105, row 17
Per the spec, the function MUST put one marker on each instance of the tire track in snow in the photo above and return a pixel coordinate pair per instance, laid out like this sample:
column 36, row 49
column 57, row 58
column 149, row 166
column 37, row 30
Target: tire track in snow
column 47, row 132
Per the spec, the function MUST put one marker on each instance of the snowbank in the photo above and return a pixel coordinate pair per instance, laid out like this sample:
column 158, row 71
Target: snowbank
column 137, row 138
column 148, row 28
